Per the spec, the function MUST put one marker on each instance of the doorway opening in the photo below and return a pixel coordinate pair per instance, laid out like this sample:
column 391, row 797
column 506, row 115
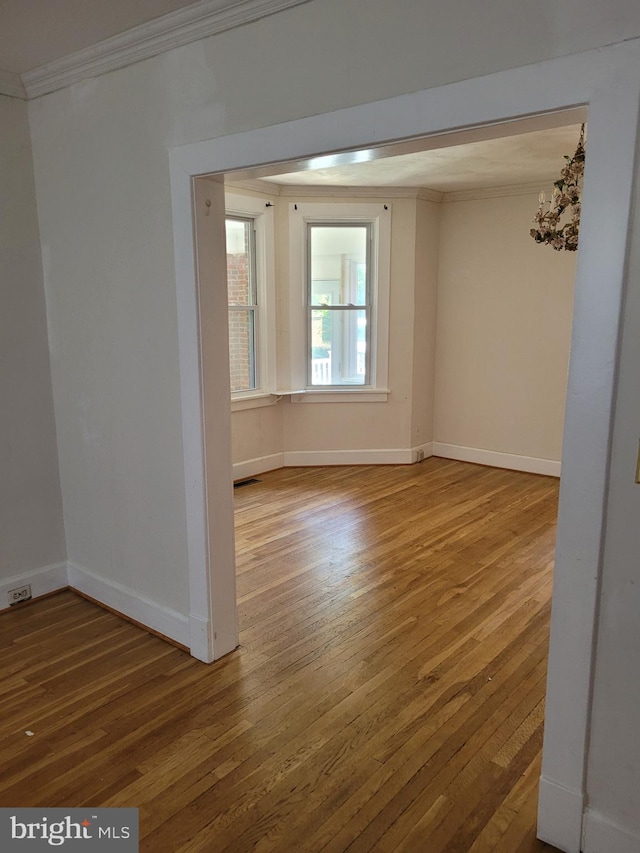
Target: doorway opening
column 338, row 575
column 538, row 90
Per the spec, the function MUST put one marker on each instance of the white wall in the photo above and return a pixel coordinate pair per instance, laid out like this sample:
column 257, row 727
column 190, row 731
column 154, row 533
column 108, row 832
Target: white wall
column 427, row 245
column 31, row 527
column 257, row 434
column 504, row 327
column 102, row 178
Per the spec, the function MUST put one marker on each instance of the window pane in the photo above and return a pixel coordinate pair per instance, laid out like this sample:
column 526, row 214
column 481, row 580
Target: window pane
column 241, row 291
column 338, row 346
column 338, row 264
column 242, row 349
column 240, row 277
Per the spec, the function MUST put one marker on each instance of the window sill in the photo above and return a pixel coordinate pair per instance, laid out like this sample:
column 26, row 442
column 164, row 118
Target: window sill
column 335, row 395
column 253, row 401
column 310, row 395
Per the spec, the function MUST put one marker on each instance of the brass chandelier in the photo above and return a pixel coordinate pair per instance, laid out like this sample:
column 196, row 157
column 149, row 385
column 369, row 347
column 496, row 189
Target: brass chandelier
column 559, row 225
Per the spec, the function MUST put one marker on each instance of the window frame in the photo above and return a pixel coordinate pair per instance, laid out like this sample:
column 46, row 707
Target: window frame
column 367, row 306
column 378, row 216
column 261, row 211
column 251, row 307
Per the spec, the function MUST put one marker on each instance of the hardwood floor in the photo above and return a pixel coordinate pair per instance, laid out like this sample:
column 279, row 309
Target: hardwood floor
column 387, row 695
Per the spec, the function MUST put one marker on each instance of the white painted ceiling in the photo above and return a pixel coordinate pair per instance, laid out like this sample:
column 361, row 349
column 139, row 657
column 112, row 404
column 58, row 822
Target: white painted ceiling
column 525, row 158
column 34, row 32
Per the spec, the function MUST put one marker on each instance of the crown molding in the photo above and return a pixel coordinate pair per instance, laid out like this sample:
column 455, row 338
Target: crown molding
column 324, row 191
column 254, row 185
column 193, row 22
column 11, row 85
column 426, row 194
column 499, row 192
column 315, row 191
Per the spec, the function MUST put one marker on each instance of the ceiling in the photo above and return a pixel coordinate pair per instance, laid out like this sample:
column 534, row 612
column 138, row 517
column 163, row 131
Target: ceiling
column 534, row 157
column 36, row 32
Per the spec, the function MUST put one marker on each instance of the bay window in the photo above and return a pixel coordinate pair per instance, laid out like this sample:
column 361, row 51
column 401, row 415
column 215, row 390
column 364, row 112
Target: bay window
column 251, row 300
column 339, row 300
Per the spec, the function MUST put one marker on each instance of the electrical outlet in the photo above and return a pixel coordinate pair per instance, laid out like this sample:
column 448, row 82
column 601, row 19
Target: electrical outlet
column 20, row 593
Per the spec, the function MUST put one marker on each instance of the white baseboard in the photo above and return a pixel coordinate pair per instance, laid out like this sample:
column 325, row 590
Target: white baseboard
column 600, row 835
column 293, row 458
column 42, row 581
column 394, row 456
column 427, row 451
column 390, row 456
column 251, row 467
column 200, row 640
column 560, row 816
column 495, row 459
column 130, row 603
column 61, row 575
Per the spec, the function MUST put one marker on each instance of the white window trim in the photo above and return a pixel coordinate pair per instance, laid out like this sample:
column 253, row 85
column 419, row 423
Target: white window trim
column 261, row 211
column 242, row 400
column 379, row 214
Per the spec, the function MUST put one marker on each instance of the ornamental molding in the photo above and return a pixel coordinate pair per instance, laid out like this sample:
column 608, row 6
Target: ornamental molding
column 11, row 85
column 495, row 192
column 253, row 185
column 273, row 188
column 192, row 23
column 424, row 193
column 314, row 190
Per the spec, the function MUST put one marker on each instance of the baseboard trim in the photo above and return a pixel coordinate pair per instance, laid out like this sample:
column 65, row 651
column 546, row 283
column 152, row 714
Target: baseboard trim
column 43, row 581
column 601, row 834
column 129, row 619
column 427, row 451
column 251, row 467
column 560, row 816
column 494, row 459
column 390, row 456
column 147, row 613
column 200, row 640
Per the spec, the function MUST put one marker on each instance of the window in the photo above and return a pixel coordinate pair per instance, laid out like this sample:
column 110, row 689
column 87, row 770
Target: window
column 251, row 299
column 243, row 303
column 339, row 301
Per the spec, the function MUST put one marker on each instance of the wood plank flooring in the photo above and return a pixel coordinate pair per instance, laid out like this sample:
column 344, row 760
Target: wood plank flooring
column 387, row 695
